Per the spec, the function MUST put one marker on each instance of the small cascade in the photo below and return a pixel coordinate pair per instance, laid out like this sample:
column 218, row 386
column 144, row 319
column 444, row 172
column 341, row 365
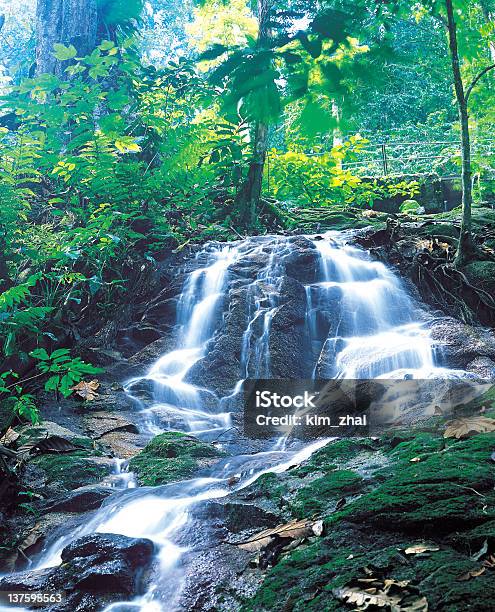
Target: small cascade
column 360, row 322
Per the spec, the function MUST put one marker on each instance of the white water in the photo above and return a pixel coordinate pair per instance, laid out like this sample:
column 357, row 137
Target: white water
column 376, row 327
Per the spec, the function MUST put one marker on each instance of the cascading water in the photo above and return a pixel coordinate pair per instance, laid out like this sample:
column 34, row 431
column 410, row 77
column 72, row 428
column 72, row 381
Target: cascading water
column 360, row 323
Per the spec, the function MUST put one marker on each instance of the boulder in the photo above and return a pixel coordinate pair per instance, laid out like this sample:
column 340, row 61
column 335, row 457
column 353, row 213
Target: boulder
column 459, row 344
column 82, row 499
column 302, row 263
column 96, row 570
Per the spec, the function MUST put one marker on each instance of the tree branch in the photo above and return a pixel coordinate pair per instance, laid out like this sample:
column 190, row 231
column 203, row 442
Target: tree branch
column 477, row 78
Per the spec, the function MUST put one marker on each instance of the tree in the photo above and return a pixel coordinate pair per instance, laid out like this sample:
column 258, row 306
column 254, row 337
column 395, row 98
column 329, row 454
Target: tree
column 68, row 22
column 249, row 194
column 466, row 248
column 79, row 25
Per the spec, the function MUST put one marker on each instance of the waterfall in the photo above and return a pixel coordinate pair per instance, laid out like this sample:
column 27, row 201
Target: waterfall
column 360, row 322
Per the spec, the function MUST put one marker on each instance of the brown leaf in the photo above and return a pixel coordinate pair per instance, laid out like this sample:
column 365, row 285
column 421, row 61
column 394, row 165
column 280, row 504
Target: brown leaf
column 9, row 437
column 51, row 444
column 417, row 549
column 464, row 427
column 390, row 594
column 87, row 390
column 294, row 530
column 471, row 574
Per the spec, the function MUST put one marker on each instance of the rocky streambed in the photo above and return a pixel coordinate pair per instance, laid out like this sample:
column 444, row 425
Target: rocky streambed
column 406, row 517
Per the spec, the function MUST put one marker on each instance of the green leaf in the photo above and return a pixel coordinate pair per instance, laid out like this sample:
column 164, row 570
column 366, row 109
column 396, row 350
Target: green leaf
column 64, row 53
column 40, row 353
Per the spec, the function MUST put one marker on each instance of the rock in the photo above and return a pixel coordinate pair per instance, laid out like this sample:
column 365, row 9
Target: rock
column 96, row 570
column 72, row 470
column 484, row 367
column 100, row 423
column 302, row 263
column 459, row 344
column 237, row 516
column 80, row 500
column 172, row 456
column 325, row 367
column 106, row 562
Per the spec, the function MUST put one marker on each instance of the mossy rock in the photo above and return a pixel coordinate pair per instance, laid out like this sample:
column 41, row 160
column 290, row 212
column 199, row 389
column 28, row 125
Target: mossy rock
column 445, row 490
column 321, row 492
column 337, row 452
column 171, row 456
column 72, row 470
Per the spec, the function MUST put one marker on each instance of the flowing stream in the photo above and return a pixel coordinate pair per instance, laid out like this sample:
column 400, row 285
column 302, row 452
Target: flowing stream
column 375, row 330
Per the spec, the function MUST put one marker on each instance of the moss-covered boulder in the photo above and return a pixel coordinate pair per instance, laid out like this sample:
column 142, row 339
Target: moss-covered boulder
column 66, row 472
column 171, row 456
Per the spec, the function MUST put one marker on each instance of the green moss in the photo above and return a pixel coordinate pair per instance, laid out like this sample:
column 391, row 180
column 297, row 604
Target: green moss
column 446, row 489
column 321, row 492
column 448, row 495
column 339, row 451
column 170, row 456
column 71, row 471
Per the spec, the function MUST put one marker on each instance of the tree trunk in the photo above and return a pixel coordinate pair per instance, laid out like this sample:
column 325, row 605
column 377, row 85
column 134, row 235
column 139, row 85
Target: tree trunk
column 70, row 22
column 466, row 248
column 249, row 195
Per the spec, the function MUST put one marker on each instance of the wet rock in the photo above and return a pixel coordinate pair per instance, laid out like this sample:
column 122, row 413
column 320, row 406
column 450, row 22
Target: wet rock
column 96, row 570
column 107, row 562
column 302, row 263
column 219, row 369
column 289, row 351
column 484, row 367
column 71, row 471
column 80, row 500
column 459, row 344
column 326, row 365
column 237, row 516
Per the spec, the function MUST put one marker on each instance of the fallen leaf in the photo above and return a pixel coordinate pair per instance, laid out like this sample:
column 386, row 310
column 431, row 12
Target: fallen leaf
column 415, row 459
column 490, row 562
column 394, row 595
column 462, row 428
column 417, row 549
column 294, row 530
column 87, row 390
column 481, row 552
column 51, row 444
column 9, row 437
column 471, row 574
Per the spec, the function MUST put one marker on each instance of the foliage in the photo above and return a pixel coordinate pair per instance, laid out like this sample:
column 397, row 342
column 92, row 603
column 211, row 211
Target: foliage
column 321, row 179
column 63, row 372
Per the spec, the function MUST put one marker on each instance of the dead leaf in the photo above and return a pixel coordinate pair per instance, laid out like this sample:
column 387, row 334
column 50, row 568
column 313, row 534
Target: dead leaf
column 294, row 530
column 481, row 552
column 87, row 390
column 417, row 549
column 51, row 444
column 490, row 562
column 464, row 427
column 396, row 595
column 471, row 574
column 415, row 459
column 9, row 437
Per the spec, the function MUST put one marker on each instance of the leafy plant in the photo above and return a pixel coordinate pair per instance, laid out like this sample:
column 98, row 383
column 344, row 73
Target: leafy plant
column 63, row 371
